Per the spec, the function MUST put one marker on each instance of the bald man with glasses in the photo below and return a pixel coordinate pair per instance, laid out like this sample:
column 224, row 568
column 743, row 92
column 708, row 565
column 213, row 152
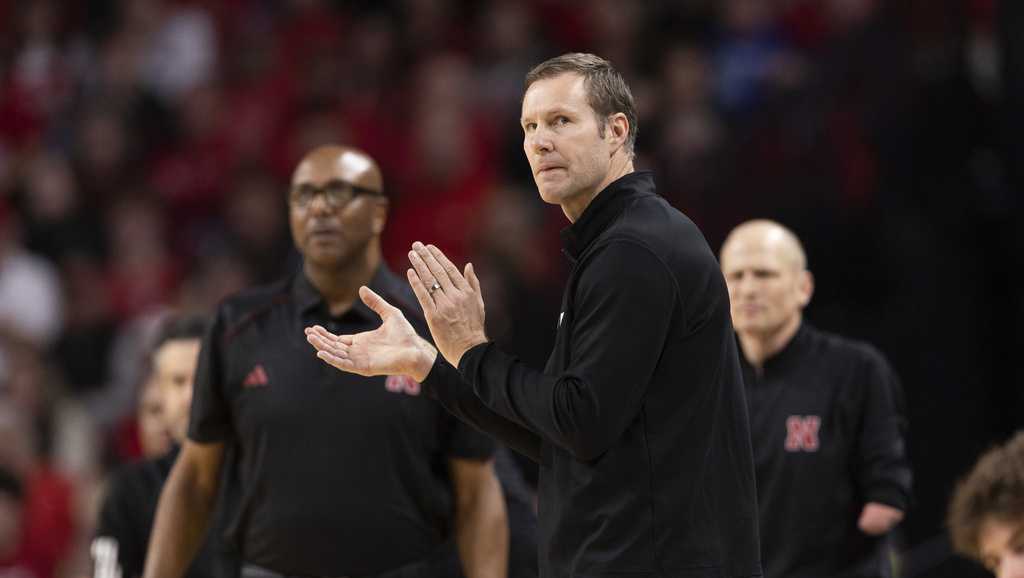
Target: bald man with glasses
column 335, row 475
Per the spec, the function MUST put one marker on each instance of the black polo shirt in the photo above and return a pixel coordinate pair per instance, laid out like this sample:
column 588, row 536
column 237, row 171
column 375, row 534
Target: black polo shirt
column 126, row 519
column 639, row 421
column 340, row 475
column 827, row 422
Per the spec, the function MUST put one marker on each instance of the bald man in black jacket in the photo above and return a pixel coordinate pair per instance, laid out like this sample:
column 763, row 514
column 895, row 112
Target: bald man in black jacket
column 826, row 413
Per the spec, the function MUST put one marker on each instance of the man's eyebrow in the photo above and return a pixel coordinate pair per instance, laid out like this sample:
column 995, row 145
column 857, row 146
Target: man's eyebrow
column 339, row 181
column 549, row 112
column 329, row 182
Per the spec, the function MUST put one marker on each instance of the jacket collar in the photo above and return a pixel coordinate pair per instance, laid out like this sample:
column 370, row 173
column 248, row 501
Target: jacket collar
column 309, row 300
column 790, row 355
column 603, row 209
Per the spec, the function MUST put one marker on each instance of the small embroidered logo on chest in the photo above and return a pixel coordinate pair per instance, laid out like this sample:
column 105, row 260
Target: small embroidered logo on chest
column 257, row 377
column 402, row 384
column 802, row 433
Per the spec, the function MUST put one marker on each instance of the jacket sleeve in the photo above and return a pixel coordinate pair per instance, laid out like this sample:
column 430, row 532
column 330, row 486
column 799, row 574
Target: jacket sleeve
column 624, row 306
column 446, row 384
column 210, row 416
column 884, row 471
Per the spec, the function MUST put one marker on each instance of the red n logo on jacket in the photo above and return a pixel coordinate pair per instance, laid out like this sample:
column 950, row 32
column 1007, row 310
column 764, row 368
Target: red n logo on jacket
column 802, row 433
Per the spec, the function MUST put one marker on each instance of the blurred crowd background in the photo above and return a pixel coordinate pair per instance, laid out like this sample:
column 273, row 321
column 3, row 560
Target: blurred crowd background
column 146, row 147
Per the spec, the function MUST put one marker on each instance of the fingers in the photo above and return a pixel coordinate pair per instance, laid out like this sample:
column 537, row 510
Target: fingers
column 422, row 294
column 429, row 271
column 333, row 349
column 422, row 271
column 438, row 266
column 328, row 336
column 474, row 283
column 342, row 363
column 447, row 266
column 376, row 302
column 319, row 330
column 323, row 340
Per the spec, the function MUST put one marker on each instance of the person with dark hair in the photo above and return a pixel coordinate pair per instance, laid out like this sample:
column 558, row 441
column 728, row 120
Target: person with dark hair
column 337, row 475
column 175, row 351
column 986, row 513
column 639, row 421
column 826, row 412
column 127, row 511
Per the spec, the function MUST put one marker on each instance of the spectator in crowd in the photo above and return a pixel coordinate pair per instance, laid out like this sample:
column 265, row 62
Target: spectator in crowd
column 825, row 412
column 48, row 523
column 30, row 293
column 126, row 515
column 986, row 514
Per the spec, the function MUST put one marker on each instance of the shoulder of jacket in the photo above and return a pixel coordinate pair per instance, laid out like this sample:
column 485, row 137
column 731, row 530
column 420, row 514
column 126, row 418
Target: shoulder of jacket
column 240, row 309
column 856, row 350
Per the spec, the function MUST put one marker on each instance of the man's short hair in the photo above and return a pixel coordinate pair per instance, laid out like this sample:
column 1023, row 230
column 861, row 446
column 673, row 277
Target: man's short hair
column 607, row 91
column 175, row 327
column 993, row 490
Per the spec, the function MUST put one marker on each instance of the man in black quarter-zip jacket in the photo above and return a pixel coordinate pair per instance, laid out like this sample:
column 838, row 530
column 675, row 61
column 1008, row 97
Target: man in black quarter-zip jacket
column 826, row 417
column 638, row 422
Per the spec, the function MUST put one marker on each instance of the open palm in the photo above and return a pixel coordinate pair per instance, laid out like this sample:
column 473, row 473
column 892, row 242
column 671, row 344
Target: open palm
column 394, row 348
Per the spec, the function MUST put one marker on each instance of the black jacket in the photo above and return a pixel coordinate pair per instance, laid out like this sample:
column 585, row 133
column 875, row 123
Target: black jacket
column 337, row 474
column 126, row 519
column 827, row 417
column 639, row 421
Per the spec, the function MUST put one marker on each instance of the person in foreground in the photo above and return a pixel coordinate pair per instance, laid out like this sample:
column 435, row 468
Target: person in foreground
column 825, row 416
column 986, row 514
column 337, row 475
column 638, row 421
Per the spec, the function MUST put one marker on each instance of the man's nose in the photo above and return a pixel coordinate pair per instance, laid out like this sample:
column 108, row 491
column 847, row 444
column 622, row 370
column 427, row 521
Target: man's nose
column 746, row 285
column 539, row 141
column 318, row 205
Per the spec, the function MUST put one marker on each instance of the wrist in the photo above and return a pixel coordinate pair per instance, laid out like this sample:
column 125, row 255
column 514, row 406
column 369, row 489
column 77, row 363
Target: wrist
column 457, row 358
column 425, row 356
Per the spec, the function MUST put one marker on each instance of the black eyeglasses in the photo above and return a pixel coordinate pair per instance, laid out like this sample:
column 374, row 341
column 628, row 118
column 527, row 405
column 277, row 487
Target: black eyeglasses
column 336, row 194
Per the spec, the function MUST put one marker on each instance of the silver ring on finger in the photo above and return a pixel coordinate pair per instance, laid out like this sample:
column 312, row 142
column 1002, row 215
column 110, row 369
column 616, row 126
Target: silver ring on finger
column 434, row 287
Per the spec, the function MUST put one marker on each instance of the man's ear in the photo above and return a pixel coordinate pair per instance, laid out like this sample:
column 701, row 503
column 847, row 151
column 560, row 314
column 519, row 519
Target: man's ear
column 806, row 287
column 618, row 129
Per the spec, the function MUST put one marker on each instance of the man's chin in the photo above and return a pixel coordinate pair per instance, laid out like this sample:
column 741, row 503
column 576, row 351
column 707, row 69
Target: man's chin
column 752, row 328
column 550, row 195
column 326, row 259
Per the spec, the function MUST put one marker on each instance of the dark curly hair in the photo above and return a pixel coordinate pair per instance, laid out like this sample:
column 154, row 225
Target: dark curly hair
column 993, row 490
column 183, row 326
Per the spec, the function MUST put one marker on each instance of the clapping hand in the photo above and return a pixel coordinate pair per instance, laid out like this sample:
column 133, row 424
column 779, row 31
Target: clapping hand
column 452, row 301
column 452, row 304
column 394, row 348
